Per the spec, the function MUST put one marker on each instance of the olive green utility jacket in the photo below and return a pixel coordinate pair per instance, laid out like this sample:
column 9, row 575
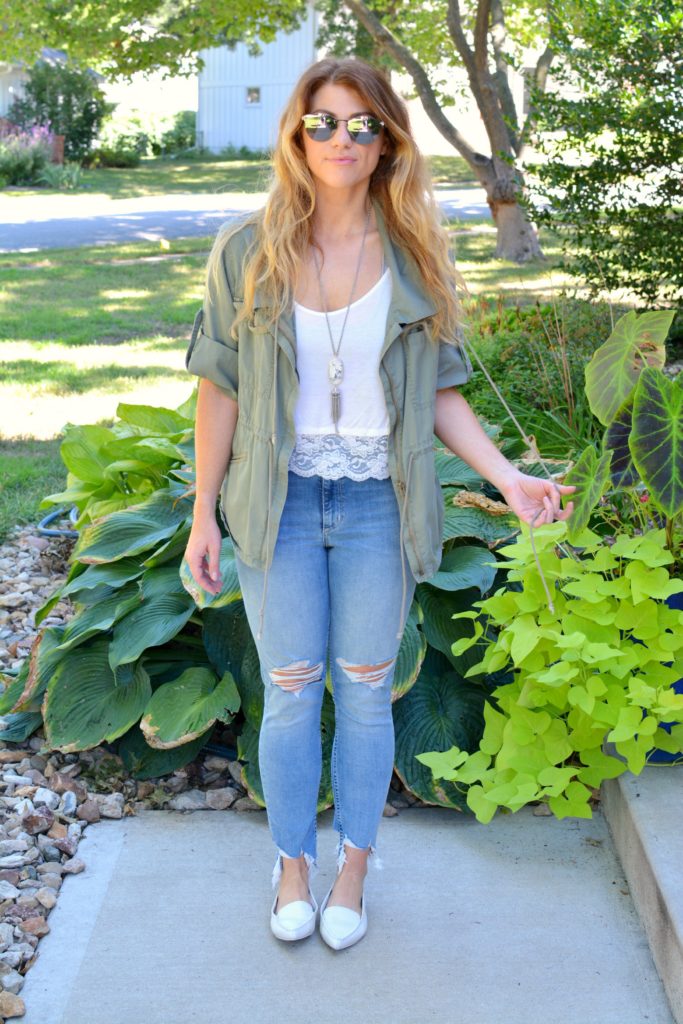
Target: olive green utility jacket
column 259, row 372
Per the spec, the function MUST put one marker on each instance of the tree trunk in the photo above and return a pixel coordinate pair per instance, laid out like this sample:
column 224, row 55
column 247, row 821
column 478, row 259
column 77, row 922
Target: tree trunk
column 516, row 238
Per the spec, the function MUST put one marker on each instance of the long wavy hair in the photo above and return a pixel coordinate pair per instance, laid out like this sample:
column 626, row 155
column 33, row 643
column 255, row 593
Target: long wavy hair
column 400, row 183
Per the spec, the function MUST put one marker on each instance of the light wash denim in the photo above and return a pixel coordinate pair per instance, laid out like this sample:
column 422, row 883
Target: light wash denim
column 334, row 590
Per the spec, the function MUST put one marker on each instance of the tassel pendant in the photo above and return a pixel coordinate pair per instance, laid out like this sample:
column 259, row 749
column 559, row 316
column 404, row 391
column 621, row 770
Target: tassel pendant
column 336, row 407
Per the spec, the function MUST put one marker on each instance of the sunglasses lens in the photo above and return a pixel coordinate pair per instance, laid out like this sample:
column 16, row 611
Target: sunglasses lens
column 364, row 130
column 318, row 127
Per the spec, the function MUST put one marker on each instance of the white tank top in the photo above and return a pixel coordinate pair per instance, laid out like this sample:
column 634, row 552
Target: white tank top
column 360, row 449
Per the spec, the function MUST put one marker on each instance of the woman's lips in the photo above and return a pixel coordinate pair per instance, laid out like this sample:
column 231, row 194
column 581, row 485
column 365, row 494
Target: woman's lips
column 342, row 160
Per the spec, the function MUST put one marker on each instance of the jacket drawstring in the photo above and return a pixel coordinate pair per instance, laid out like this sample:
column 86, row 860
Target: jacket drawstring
column 403, row 556
column 271, row 459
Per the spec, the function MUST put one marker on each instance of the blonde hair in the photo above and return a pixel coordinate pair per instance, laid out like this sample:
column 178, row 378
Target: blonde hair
column 400, row 183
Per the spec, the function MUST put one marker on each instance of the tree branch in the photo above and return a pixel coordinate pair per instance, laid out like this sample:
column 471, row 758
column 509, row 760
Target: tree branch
column 540, row 82
column 479, row 162
column 501, row 76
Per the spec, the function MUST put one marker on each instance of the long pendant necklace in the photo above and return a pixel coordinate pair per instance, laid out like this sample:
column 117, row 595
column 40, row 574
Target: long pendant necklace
column 335, row 367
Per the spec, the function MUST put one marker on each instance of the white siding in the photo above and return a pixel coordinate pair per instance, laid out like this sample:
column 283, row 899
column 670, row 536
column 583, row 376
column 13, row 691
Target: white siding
column 11, row 86
column 224, row 117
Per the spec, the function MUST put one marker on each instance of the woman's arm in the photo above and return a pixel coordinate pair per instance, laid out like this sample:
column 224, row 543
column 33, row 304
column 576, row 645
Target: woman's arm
column 457, row 426
column 214, row 429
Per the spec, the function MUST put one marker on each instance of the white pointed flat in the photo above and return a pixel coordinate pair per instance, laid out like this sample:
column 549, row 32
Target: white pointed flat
column 340, row 926
column 296, row 920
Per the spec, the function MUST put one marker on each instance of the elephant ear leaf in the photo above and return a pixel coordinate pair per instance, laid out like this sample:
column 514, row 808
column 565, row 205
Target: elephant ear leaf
column 617, row 436
column 590, row 475
column 637, row 341
column 656, row 440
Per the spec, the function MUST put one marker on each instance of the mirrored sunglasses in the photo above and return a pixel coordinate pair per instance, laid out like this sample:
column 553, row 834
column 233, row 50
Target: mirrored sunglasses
column 363, row 128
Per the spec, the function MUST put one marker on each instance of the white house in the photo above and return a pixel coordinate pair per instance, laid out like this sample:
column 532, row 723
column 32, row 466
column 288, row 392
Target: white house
column 241, row 97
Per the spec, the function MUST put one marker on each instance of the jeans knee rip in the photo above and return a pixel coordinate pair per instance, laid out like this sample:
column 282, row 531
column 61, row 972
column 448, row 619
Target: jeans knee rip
column 277, row 870
column 293, row 678
column 373, row 856
column 372, row 675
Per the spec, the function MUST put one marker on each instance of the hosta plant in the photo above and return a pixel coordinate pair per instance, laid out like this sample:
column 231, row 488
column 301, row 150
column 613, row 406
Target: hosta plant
column 150, row 662
column 594, row 662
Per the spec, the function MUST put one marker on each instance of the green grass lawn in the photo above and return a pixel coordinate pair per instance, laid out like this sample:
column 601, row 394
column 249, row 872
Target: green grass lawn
column 157, row 177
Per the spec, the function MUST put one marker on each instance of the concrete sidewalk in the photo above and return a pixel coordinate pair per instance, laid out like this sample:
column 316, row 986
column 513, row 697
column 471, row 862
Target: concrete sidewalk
column 527, row 920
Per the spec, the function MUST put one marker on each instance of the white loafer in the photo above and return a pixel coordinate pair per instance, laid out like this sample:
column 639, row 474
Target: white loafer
column 340, row 926
column 296, row 920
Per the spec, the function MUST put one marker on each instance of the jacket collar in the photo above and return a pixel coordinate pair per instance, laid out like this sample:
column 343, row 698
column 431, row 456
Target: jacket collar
column 409, row 301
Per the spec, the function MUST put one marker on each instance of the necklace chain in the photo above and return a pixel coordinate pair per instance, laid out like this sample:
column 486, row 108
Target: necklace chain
column 335, row 367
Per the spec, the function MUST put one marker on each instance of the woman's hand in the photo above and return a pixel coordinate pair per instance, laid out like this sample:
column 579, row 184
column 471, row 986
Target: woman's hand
column 203, row 553
column 529, row 495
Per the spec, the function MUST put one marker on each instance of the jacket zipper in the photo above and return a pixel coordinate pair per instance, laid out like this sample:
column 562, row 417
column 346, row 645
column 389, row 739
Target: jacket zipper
column 401, row 484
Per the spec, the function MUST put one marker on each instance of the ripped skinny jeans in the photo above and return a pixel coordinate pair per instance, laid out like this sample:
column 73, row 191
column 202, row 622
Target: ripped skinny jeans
column 334, row 591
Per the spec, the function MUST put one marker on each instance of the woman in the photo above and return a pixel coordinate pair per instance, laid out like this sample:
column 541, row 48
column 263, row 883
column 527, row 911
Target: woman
column 327, row 356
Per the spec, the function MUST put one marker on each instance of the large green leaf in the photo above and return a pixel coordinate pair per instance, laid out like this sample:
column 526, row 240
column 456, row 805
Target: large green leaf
column 100, row 616
column 183, row 709
column 623, row 473
column 132, row 530
column 154, row 622
column 439, row 627
column 153, row 453
column 440, row 711
column 19, row 726
column 657, row 439
column 26, row 691
column 637, row 341
column 227, row 637
column 144, row 762
column 171, row 550
column 411, row 652
column 250, row 686
column 114, row 575
column 229, row 592
column 154, row 419
column 82, row 451
column 590, row 475
column 465, row 566
column 13, row 689
column 83, row 706
column 452, row 470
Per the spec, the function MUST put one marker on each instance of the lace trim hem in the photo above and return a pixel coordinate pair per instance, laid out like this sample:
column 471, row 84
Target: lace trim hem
column 335, row 455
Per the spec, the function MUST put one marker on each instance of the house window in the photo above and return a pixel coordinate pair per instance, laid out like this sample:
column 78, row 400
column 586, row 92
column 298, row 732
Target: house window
column 253, row 95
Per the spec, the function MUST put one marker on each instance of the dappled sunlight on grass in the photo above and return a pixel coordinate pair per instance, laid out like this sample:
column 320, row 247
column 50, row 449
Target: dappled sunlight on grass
column 93, row 299
column 37, row 378
column 47, row 417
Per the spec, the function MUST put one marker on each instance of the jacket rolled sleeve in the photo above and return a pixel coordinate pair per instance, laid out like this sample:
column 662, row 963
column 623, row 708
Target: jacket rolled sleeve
column 212, row 352
column 454, row 363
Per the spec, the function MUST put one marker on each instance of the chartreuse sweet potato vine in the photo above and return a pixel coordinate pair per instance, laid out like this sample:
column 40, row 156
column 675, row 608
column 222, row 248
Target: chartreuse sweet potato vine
column 599, row 666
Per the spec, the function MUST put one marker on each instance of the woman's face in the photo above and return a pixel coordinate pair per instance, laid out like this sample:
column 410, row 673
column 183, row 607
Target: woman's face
column 340, row 162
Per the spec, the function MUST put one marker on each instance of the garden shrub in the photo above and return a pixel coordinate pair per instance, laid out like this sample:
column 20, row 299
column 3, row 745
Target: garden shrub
column 181, row 135
column 536, row 356
column 65, row 98
column 24, row 154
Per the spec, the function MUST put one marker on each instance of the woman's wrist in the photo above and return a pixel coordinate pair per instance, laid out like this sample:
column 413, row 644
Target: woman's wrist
column 503, row 476
column 204, row 506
